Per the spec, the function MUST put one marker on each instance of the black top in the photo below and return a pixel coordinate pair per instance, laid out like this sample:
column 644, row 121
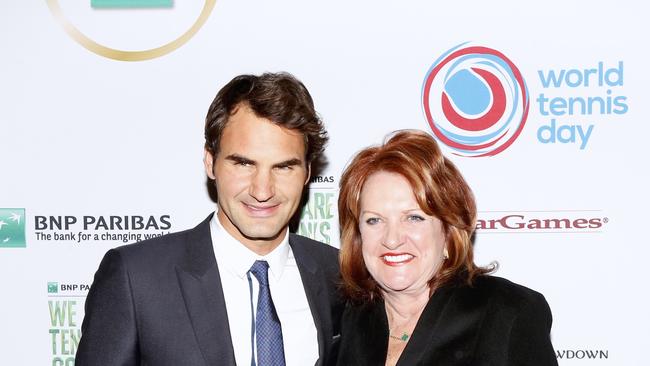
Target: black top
column 494, row 322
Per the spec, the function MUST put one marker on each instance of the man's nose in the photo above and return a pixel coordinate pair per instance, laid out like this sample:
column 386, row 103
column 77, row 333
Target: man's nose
column 261, row 187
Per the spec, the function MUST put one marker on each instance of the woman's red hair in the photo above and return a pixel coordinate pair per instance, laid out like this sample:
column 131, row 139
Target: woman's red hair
column 440, row 191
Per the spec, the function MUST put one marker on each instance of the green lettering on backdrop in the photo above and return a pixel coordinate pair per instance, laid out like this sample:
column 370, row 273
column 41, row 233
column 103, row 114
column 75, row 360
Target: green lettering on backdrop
column 59, row 310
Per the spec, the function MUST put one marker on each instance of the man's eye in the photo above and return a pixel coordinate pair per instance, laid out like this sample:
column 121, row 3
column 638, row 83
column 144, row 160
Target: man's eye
column 285, row 167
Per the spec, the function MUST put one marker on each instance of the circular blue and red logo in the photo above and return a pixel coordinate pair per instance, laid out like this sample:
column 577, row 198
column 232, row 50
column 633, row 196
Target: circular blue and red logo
column 475, row 100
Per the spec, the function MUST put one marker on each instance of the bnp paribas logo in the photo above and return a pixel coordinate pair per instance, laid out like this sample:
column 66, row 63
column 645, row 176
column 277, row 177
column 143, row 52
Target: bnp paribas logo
column 131, row 30
column 12, row 228
column 52, row 287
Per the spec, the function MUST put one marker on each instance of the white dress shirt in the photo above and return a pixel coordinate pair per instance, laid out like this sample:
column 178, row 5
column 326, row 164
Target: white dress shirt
column 287, row 291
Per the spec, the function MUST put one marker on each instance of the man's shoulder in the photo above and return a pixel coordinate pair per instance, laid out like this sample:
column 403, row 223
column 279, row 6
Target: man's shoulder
column 315, row 254
column 165, row 246
column 164, row 243
column 312, row 245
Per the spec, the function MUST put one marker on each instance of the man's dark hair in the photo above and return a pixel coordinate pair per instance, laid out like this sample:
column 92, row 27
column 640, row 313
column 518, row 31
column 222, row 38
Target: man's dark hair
column 278, row 97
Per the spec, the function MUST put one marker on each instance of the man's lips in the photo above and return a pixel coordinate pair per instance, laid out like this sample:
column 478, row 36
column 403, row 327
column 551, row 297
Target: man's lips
column 259, row 210
column 396, row 259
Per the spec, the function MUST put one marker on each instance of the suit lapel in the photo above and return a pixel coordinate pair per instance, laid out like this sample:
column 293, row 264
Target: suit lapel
column 319, row 303
column 200, row 284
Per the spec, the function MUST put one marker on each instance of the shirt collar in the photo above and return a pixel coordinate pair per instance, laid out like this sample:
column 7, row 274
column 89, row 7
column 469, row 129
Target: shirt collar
column 238, row 259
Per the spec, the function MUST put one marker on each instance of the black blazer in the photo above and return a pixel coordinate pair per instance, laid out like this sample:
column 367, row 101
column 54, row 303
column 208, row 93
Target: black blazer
column 160, row 302
column 494, row 322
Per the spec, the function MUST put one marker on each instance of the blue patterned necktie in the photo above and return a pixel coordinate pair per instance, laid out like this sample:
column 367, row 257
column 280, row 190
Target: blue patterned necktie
column 268, row 331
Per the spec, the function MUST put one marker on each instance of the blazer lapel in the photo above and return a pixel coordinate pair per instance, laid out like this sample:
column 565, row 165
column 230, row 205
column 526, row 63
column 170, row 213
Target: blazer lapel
column 426, row 334
column 200, row 284
column 314, row 283
column 447, row 316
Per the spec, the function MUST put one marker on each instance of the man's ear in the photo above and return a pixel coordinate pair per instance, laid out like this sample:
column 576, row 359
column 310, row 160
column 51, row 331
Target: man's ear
column 308, row 173
column 208, row 161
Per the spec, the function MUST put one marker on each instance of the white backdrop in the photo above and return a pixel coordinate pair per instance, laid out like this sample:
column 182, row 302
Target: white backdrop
column 84, row 137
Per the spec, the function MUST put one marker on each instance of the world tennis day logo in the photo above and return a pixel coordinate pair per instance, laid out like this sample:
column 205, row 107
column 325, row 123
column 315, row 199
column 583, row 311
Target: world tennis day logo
column 475, row 100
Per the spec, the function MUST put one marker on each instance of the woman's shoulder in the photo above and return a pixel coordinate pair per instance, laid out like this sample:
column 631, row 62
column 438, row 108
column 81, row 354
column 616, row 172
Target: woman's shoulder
column 364, row 315
column 369, row 309
column 364, row 320
column 503, row 292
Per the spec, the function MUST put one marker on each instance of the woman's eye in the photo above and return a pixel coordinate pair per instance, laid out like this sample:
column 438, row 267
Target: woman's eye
column 372, row 221
column 415, row 218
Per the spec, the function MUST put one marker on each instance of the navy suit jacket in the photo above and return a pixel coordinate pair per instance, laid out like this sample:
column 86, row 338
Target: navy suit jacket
column 160, row 302
column 495, row 322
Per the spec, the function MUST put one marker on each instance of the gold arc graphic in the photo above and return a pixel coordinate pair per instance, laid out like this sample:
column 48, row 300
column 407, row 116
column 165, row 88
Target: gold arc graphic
column 121, row 55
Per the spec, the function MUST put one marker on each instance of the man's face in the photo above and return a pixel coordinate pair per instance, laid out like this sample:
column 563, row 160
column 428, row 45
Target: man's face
column 259, row 173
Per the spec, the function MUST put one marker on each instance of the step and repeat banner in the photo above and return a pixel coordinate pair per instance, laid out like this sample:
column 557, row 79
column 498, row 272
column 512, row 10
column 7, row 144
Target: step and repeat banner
column 543, row 106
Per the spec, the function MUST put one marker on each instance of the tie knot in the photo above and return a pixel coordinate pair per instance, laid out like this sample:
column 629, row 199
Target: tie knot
column 260, row 269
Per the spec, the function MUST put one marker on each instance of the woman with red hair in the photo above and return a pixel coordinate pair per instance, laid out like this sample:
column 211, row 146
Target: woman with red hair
column 415, row 296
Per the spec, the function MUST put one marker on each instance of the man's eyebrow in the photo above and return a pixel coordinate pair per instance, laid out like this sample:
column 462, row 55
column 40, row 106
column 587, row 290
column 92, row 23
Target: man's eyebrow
column 288, row 163
column 240, row 159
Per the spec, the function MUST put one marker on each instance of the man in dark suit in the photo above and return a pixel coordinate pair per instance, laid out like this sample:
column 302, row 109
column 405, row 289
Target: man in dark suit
column 238, row 288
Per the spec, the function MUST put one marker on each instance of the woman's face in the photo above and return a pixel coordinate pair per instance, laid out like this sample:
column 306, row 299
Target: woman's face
column 402, row 246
